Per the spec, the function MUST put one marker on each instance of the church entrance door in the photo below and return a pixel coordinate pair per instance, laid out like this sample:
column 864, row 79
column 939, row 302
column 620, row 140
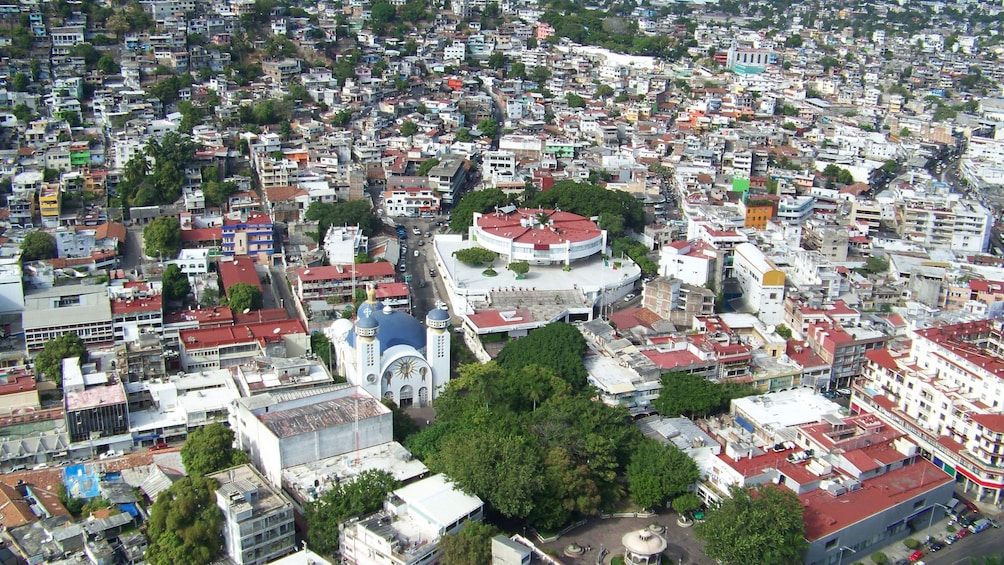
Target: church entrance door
column 406, row 396
column 423, row 397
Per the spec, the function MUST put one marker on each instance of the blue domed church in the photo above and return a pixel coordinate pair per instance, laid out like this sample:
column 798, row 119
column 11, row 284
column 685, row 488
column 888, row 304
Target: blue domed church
column 390, row 353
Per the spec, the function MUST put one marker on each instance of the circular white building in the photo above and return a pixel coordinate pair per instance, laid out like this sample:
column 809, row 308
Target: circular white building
column 538, row 236
column 643, row 547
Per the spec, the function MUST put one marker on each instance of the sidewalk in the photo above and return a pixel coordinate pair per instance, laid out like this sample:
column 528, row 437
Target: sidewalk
column 938, row 530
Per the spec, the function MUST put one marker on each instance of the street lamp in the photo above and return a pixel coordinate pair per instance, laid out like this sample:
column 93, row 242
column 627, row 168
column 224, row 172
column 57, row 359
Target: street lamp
column 844, row 548
column 930, row 522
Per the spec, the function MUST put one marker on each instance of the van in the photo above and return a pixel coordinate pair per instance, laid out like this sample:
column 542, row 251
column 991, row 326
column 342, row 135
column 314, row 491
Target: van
column 980, row 525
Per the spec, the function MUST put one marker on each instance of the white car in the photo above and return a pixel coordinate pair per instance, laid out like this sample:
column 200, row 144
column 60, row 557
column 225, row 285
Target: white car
column 630, row 297
column 416, row 253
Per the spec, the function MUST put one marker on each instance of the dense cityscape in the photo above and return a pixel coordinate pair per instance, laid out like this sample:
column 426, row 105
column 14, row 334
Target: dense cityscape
column 397, row 282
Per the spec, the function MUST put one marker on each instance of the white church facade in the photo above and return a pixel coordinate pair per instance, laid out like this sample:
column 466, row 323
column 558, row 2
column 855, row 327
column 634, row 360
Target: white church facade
column 391, row 355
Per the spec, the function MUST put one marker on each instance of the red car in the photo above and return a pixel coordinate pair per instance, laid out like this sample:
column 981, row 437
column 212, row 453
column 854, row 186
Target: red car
column 916, row 555
column 158, row 446
column 963, row 532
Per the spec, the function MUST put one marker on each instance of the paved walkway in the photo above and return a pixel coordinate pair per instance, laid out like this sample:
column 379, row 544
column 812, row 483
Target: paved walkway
column 683, row 547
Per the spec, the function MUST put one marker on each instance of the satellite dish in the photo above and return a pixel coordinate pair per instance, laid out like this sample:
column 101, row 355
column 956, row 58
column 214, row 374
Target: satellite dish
column 276, row 331
column 307, row 272
column 771, row 329
column 247, row 310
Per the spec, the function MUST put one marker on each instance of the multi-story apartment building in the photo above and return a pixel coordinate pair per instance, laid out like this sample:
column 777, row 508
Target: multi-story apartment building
column 339, row 281
column 949, row 223
column 49, row 202
column 227, row 346
column 257, row 518
column 448, row 176
column 947, row 392
column 254, row 236
column 761, row 282
column 95, row 406
column 83, row 310
column 411, row 201
column 844, row 348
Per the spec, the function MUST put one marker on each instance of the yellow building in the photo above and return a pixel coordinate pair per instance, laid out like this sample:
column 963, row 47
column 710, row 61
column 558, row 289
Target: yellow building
column 50, row 201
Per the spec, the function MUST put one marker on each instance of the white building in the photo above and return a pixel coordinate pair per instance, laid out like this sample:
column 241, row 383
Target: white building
column 391, row 355
column 541, row 237
column 762, row 283
column 284, row 429
column 408, row 530
column 257, row 519
column 343, row 243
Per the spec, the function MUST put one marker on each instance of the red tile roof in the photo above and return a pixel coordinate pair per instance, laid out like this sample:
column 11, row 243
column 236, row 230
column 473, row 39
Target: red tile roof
column 208, row 317
column 229, row 335
column 564, row 227
column 202, row 235
column 392, row 290
column 992, row 422
column 240, row 270
column 18, row 380
column 826, row 514
column 151, row 304
column 344, row 272
column 501, row 318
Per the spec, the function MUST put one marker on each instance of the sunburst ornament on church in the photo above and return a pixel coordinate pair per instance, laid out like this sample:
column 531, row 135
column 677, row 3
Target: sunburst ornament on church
column 406, row 368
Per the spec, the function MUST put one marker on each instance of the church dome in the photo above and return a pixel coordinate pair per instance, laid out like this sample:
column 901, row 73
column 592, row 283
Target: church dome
column 439, row 315
column 395, row 328
column 340, row 328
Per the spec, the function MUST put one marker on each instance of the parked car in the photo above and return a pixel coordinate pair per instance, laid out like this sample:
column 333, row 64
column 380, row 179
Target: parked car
column 916, row 556
column 961, row 534
column 415, row 230
column 629, row 297
column 432, row 272
column 158, row 446
column 936, row 546
column 980, row 525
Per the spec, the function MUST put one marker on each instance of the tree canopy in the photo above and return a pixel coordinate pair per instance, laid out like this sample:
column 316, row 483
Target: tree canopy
column 162, row 238
column 558, row 347
column 475, row 256
column 516, row 433
column 185, row 524
column 346, row 499
column 244, row 296
column 176, row 285
column 617, row 210
column 210, row 449
column 482, row 201
column 49, row 361
column 658, row 472
column 472, row 545
column 761, row 526
column 38, row 245
column 148, row 184
column 684, row 394
column 351, row 213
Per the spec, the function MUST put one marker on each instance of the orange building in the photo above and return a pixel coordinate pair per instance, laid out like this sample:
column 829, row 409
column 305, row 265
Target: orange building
column 759, row 211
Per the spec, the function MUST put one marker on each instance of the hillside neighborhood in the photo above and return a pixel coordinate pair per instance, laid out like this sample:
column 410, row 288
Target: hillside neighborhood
column 397, row 282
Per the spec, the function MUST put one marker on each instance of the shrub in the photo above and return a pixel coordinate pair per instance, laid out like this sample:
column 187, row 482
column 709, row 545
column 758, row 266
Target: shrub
column 879, row 558
column 911, row 543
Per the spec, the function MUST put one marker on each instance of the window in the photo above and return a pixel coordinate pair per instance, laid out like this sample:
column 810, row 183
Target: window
column 832, row 543
column 918, row 504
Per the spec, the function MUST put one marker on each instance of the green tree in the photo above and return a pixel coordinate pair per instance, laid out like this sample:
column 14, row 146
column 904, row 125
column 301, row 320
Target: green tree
column 488, row 127
column 210, row 449
column 49, row 362
column 575, row 101
column 658, row 472
column 475, row 256
column 472, row 545
column 692, row 395
column 38, row 245
column 604, row 91
column 501, row 468
column 481, row 201
column 890, row 166
column 497, row 60
column 755, row 527
column 74, row 505
column 185, row 524
column 107, row 65
column 875, row 265
column 426, row 166
column 217, row 193
column 346, row 499
column 162, row 237
column 558, row 347
column 686, row 503
column 521, row 268
column 618, row 210
column 352, row 213
column 464, row 135
column 176, row 285
column 409, row 128
column 793, row 41
column 244, row 296
column 20, row 82
column 404, row 425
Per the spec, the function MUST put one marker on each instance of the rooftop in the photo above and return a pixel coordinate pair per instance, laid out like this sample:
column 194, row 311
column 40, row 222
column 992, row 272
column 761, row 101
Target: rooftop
column 784, row 409
column 237, row 482
column 95, row 396
column 524, row 225
column 322, row 415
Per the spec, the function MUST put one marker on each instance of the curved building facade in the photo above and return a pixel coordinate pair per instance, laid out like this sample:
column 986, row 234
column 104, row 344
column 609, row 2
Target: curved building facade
column 538, row 236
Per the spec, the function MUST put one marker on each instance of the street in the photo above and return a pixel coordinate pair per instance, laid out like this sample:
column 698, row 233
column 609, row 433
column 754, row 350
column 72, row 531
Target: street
column 990, row 542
